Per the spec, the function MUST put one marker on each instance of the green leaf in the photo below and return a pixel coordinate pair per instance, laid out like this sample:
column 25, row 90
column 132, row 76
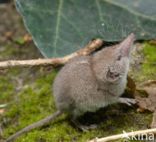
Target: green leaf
column 60, row 27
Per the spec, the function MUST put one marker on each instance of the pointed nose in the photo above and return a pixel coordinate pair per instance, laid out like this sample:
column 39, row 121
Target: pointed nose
column 126, row 44
column 130, row 39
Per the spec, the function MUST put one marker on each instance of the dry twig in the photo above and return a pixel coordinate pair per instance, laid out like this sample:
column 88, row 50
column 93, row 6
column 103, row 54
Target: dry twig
column 120, row 136
column 92, row 46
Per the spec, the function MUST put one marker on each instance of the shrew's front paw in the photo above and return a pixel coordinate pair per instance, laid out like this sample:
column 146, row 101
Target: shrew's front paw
column 127, row 101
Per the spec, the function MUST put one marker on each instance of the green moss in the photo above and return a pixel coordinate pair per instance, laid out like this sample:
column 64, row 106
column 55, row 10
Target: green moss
column 6, row 89
column 148, row 68
column 33, row 106
column 35, row 101
column 8, row 85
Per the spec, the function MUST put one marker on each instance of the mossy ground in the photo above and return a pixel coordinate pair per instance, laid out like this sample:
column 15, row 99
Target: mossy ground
column 28, row 93
column 147, row 69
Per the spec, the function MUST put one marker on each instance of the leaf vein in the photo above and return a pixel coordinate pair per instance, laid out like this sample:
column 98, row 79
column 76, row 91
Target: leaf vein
column 58, row 21
column 72, row 24
column 99, row 10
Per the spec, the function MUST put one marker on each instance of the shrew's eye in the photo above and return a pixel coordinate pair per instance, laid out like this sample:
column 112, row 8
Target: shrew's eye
column 119, row 58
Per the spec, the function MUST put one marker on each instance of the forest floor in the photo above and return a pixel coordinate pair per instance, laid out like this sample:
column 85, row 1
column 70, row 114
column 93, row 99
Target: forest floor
column 26, row 93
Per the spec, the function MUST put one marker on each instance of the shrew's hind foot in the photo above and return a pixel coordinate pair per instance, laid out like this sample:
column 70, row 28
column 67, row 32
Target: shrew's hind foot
column 84, row 128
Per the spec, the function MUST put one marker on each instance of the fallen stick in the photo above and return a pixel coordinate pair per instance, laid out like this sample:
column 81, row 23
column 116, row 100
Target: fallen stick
column 3, row 105
column 88, row 49
column 124, row 135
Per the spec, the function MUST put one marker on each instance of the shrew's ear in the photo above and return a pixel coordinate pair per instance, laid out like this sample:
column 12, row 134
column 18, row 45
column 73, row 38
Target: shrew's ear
column 112, row 76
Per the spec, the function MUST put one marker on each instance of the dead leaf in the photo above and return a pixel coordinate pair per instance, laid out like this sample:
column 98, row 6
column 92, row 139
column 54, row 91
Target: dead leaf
column 27, row 38
column 147, row 102
column 153, row 42
column 8, row 35
column 131, row 85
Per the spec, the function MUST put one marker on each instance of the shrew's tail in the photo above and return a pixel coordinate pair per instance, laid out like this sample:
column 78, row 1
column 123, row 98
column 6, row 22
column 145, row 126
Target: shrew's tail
column 34, row 126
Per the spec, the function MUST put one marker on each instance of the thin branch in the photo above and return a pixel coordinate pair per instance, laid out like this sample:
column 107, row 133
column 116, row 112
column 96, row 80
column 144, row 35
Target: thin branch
column 92, row 46
column 3, row 105
column 124, row 135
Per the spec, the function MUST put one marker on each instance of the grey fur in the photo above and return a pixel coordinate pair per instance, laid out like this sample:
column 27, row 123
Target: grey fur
column 87, row 83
